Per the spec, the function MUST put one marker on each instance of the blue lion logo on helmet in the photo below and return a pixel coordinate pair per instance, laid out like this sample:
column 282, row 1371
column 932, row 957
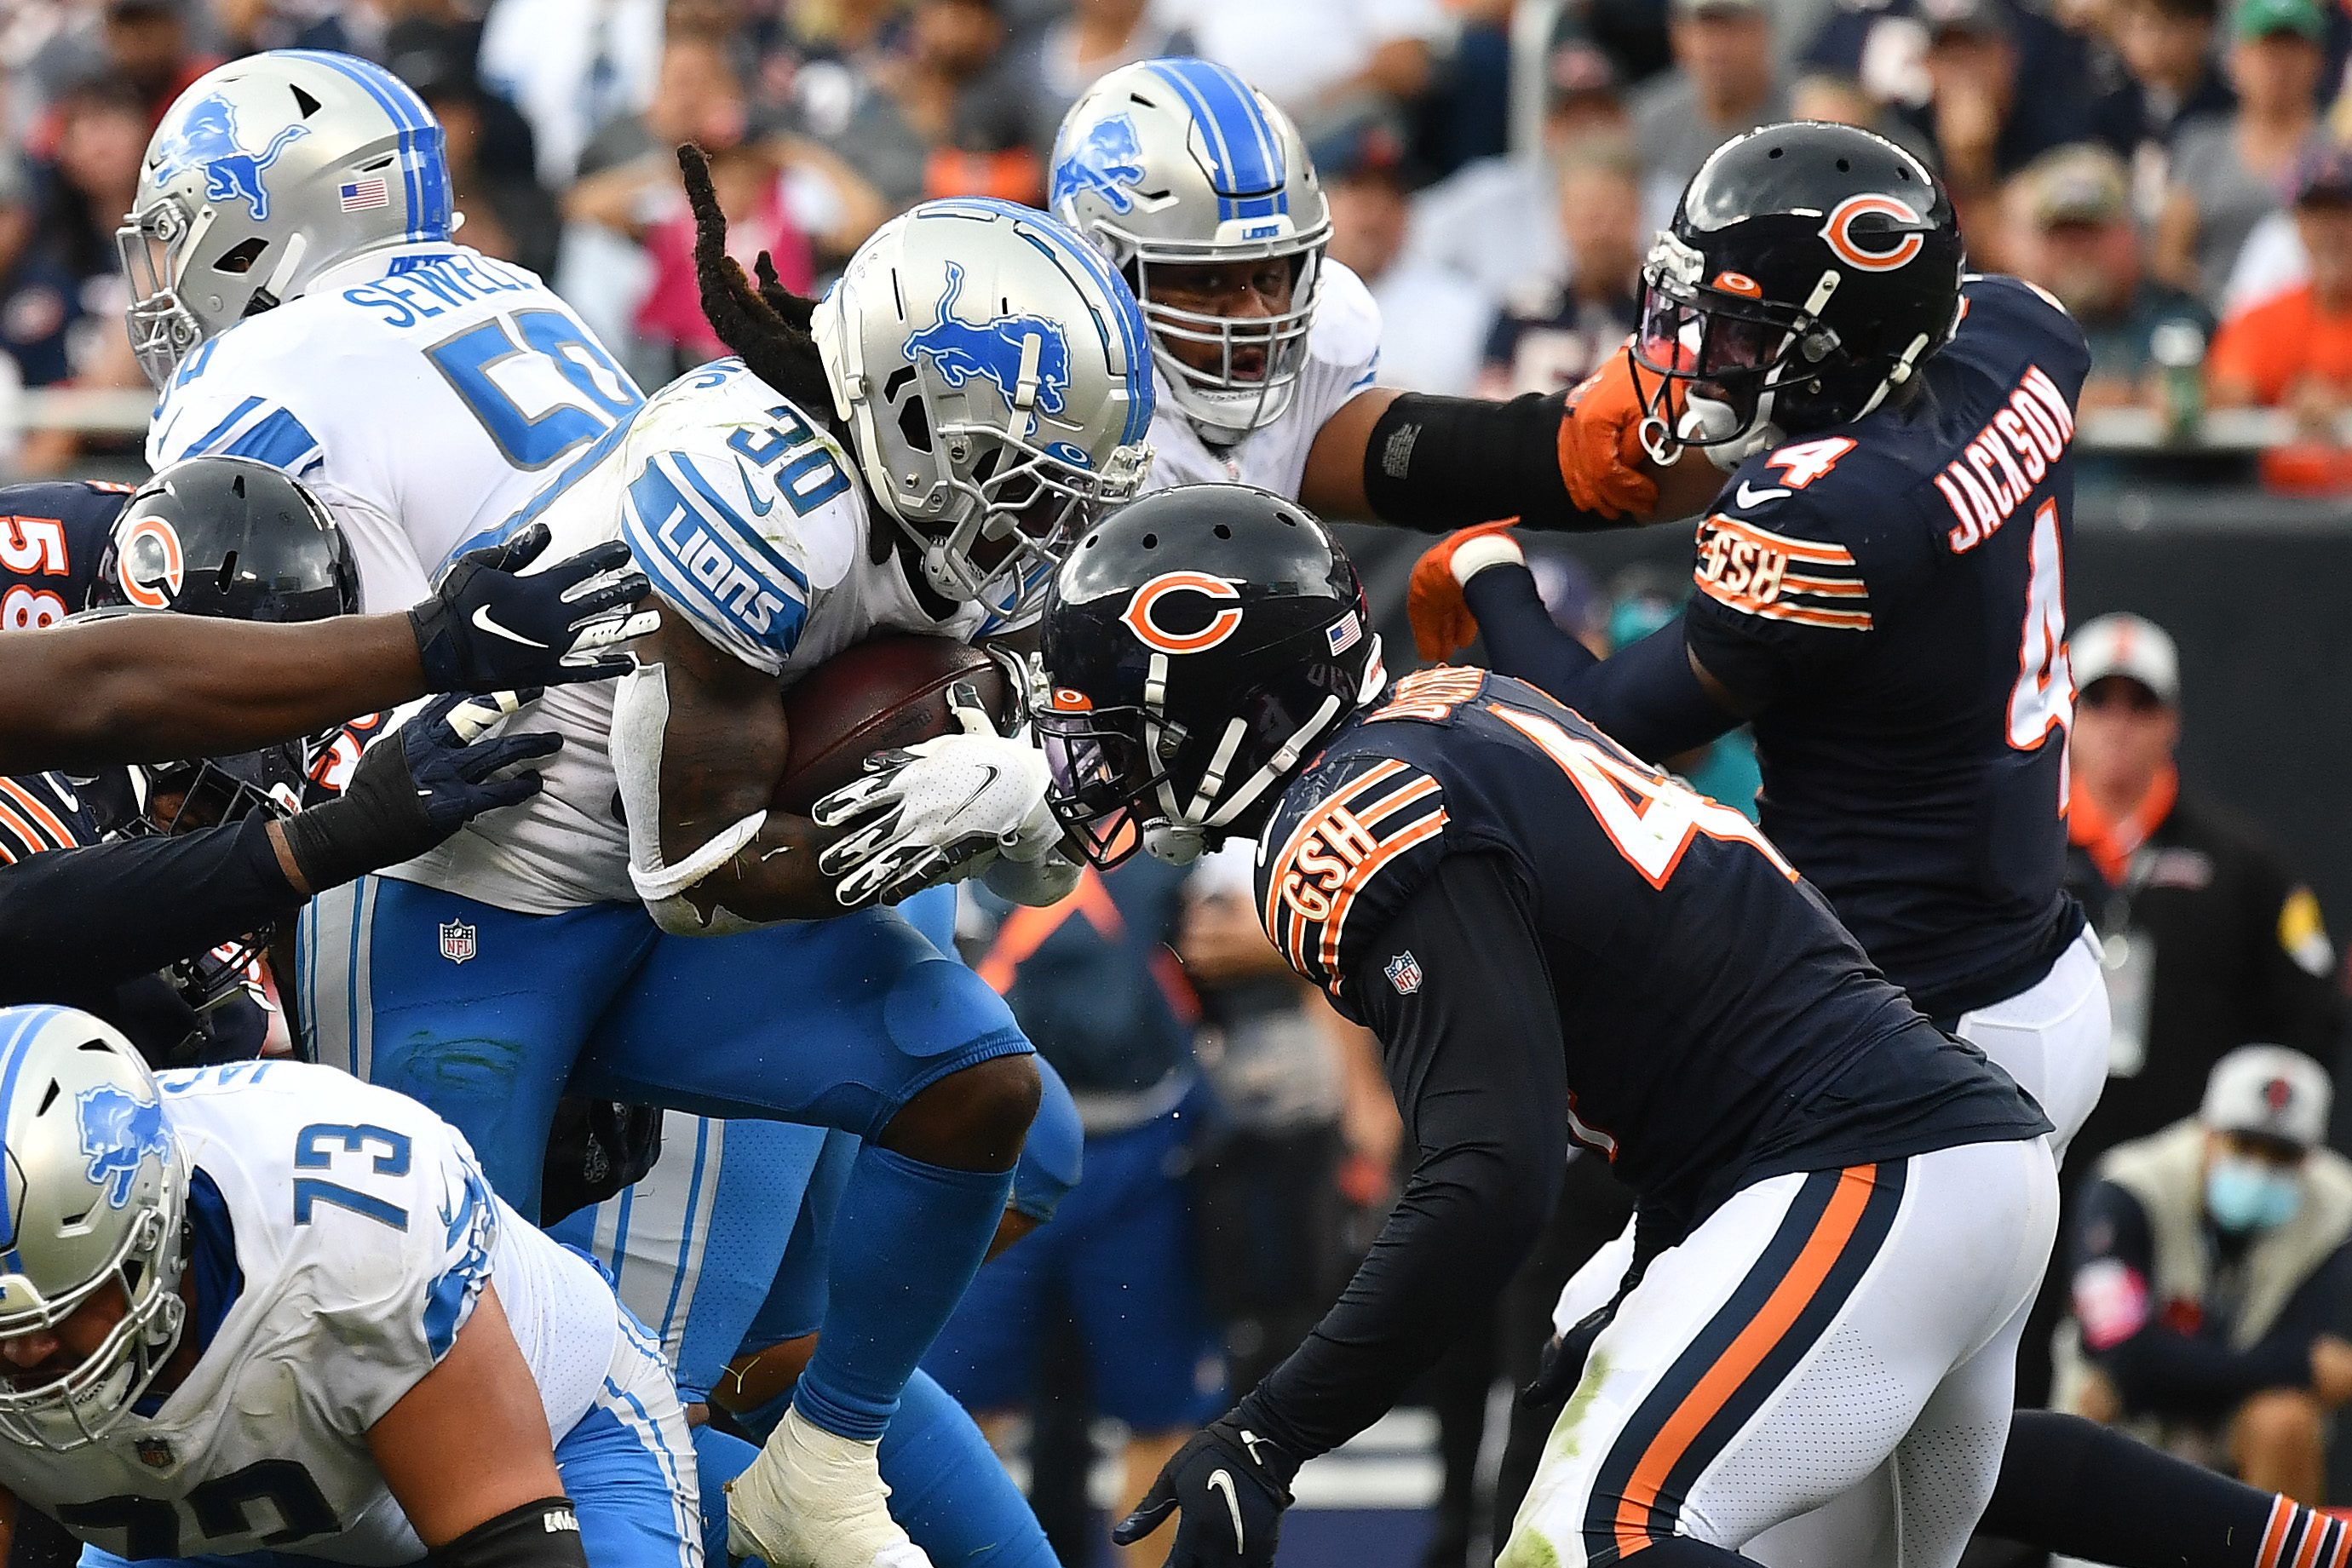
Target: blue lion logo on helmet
column 118, row 1131
column 961, row 349
column 208, row 138
column 1109, row 162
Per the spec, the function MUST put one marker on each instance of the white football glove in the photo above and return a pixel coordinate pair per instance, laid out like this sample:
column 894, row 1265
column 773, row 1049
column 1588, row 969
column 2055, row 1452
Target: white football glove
column 1036, row 883
column 938, row 809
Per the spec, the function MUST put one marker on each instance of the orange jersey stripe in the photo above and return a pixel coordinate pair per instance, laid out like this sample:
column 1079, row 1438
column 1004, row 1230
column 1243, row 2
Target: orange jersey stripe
column 1296, row 949
column 1307, row 824
column 1795, row 549
column 1842, row 620
column 2313, row 1527
column 1796, row 583
column 2274, row 1533
column 1428, row 828
column 1746, row 1351
column 39, row 812
column 22, row 829
column 1027, row 927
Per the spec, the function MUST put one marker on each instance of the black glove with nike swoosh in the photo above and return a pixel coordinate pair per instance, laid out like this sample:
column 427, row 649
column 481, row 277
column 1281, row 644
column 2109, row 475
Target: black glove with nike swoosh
column 418, row 785
column 487, row 628
column 1228, row 1487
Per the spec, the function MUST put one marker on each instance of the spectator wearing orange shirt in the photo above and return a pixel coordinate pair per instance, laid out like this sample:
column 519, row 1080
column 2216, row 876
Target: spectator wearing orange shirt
column 2294, row 350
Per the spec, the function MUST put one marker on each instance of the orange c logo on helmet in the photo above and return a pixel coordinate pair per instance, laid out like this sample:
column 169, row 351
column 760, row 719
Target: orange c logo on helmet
column 1142, row 617
column 150, row 566
column 1839, row 232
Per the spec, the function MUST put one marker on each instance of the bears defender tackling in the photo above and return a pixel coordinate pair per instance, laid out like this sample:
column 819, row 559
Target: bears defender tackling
column 267, row 1309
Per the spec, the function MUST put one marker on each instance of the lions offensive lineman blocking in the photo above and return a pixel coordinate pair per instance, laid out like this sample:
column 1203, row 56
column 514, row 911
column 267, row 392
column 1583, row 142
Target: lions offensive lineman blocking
column 1199, row 189
column 265, row 1307
column 653, row 895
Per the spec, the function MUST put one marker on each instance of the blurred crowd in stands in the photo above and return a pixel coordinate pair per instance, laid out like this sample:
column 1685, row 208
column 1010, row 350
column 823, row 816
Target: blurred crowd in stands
column 2173, row 170
column 2170, row 169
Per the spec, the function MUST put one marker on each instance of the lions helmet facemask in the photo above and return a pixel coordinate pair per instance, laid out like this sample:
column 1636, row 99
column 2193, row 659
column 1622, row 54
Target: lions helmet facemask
column 1179, row 163
column 1811, row 269
column 990, row 369
column 239, row 540
column 265, row 172
column 1197, row 646
column 97, row 1192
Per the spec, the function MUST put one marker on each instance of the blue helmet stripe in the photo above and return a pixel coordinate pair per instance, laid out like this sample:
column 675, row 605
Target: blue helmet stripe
column 423, row 170
column 1059, row 240
column 21, row 1023
column 1129, row 317
column 1240, row 141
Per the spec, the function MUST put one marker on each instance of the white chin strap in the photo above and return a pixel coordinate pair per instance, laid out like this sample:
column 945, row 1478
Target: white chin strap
column 1180, row 836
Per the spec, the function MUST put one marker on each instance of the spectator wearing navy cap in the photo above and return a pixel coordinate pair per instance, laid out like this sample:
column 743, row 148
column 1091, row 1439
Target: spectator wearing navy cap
column 1556, row 330
column 2171, row 78
column 1432, row 322
column 2209, row 1266
column 1496, row 221
column 1982, row 116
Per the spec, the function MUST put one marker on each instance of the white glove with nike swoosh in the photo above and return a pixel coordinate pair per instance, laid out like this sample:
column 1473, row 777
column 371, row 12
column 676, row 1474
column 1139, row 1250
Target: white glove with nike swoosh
column 1228, row 1487
column 937, row 809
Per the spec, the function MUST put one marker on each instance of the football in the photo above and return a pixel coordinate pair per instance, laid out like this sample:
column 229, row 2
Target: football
column 888, row 692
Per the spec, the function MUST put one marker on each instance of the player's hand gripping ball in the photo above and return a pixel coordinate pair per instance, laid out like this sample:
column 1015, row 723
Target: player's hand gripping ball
column 937, row 808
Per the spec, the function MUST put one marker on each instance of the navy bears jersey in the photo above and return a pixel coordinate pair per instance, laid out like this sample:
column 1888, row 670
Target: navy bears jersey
column 1720, row 1025
column 51, row 536
column 1892, row 596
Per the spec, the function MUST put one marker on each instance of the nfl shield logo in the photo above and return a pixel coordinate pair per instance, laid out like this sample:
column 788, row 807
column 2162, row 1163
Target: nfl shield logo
column 154, row 1453
column 456, row 941
column 1404, row 973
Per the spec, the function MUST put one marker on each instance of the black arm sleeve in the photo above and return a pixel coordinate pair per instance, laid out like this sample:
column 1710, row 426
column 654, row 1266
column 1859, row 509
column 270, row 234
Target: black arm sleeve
column 1435, row 463
column 1475, row 1056
column 1646, row 695
column 73, row 921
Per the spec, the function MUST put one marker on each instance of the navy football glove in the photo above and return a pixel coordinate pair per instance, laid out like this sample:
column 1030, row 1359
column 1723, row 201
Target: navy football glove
column 1229, row 1487
column 415, row 786
column 486, row 629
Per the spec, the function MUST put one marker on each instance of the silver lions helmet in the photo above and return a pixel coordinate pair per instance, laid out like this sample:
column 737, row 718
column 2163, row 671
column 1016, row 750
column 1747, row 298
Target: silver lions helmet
column 992, row 373
column 1180, row 163
column 97, row 1189
column 263, row 173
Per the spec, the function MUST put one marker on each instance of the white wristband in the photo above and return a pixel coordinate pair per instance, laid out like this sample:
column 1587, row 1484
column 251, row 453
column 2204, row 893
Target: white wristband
column 1475, row 556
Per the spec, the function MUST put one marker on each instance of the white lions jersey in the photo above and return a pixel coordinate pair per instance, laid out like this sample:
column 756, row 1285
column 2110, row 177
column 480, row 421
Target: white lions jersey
column 362, row 1232
column 754, row 527
column 424, row 392
column 1343, row 353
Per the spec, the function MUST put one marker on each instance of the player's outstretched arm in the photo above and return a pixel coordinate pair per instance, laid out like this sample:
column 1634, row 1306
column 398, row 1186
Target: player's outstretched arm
column 1474, row 1054
column 151, row 688
column 466, row 1453
column 1568, row 462
column 79, row 920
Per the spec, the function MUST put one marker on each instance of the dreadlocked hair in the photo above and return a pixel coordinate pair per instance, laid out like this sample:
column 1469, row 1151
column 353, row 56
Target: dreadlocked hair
column 767, row 325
